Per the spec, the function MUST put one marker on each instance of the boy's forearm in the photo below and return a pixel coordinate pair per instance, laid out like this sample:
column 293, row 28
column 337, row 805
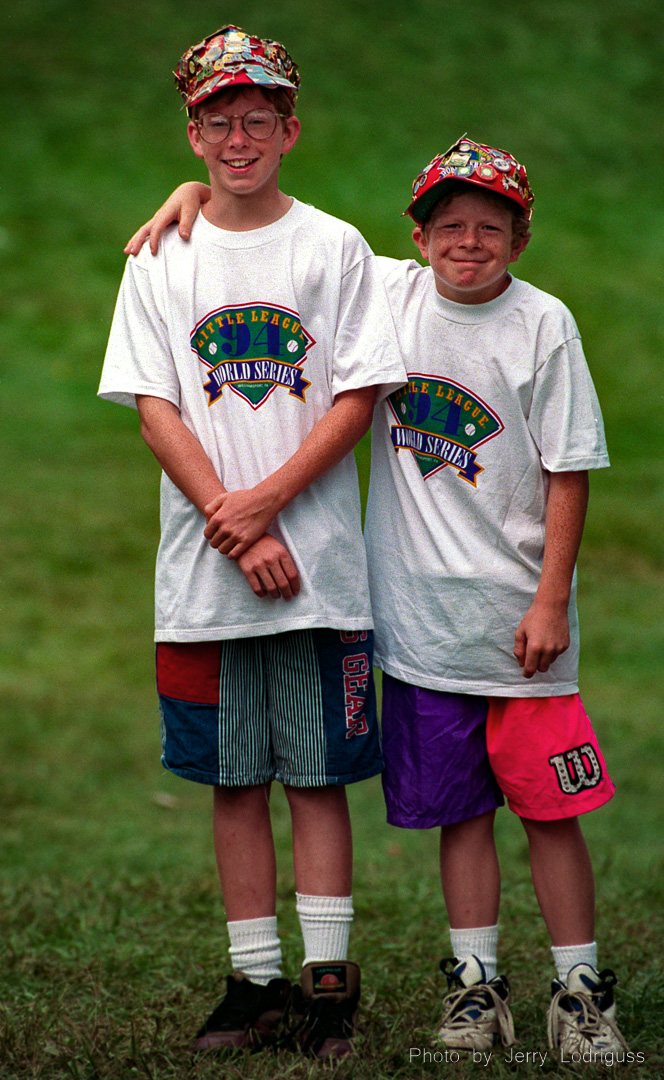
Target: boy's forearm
column 543, row 633
column 332, row 438
column 178, row 451
column 268, row 566
column 236, row 518
column 565, row 518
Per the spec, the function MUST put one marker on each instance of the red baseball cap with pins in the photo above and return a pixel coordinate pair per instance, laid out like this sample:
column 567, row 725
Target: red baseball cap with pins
column 485, row 166
column 231, row 57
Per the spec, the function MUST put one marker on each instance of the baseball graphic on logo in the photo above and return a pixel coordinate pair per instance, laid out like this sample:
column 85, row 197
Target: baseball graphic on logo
column 292, row 346
column 329, row 980
column 469, row 429
column 213, row 348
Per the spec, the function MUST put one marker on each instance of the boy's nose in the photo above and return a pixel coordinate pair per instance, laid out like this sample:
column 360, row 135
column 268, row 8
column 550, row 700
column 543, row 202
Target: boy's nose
column 469, row 237
column 237, row 135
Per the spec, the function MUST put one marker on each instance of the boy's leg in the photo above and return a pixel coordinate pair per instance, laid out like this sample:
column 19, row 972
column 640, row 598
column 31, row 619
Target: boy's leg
column 582, row 1015
column 470, row 876
column 437, row 774
column 545, row 755
column 548, row 762
column 324, row 732
column 246, row 862
column 469, row 872
column 212, row 737
column 322, row 840
column 563, row 879
column 244, row 849
column 256, row 996
column 326, row 1003
column 323, row 863
column 476, row 1010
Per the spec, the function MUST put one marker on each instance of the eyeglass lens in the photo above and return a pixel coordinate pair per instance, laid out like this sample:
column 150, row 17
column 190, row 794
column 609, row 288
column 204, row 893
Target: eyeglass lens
column 258, row 124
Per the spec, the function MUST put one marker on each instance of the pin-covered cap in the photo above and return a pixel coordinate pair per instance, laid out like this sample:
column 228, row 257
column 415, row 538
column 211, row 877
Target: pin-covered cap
column 230, row 57
column 490, row 168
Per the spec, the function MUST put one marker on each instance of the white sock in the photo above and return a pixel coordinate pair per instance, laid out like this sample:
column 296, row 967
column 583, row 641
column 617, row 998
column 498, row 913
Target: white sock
column 325, row 922
column 480, row 941
column 565, row 957
column 255, row 948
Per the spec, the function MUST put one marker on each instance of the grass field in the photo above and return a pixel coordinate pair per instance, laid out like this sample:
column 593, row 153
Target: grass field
column 112, row 940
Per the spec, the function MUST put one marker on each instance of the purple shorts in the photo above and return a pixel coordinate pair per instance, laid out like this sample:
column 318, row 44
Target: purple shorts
column 437, row 768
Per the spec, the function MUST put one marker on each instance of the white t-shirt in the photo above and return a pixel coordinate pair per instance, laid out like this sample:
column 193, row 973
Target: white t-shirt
column 251, row 335
column 499, row 394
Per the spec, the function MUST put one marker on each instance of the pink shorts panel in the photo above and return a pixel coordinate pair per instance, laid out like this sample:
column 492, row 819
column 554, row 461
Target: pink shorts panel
column 545, row 757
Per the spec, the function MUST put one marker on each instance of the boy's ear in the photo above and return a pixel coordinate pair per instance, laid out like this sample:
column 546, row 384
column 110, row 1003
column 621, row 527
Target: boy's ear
column 195, row 139
column 420, row 239
column 519, row 245
column 291, row 133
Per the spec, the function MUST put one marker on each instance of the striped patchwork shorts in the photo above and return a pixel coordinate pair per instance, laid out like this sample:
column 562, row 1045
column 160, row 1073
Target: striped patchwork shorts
column 298, row 707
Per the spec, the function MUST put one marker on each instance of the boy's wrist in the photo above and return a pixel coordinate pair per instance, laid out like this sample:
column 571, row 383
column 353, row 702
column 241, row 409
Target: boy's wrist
column 272, row 495
column 555, row 602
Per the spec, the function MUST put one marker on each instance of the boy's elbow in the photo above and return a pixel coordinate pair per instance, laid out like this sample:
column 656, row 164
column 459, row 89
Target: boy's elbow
column 154, row 415
column 146, row 432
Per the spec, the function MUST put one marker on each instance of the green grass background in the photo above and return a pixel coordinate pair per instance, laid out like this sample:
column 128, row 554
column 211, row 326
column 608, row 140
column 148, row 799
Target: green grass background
column 112, row 938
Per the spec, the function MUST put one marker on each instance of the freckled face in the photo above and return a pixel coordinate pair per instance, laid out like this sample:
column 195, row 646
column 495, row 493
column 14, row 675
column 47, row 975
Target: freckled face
column 469, row 244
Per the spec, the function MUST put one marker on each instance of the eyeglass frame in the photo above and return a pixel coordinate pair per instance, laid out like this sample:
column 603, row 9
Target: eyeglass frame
column 241, row 117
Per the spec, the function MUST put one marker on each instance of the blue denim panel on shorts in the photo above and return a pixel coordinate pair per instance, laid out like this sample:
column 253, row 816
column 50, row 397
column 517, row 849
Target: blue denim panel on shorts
column 298, row 707
column 437, row 768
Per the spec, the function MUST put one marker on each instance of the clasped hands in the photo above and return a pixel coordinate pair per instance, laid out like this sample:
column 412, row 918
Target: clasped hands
column 237, row 523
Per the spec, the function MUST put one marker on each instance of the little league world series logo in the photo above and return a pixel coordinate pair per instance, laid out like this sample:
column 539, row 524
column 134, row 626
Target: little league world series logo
column 441, row 423
column 252, row 349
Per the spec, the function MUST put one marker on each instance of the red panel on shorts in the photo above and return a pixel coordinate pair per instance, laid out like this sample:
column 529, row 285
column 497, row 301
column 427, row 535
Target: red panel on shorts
column 189, row 672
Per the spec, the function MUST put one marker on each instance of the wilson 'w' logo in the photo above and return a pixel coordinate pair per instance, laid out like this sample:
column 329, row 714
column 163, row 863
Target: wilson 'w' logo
column 577, row 769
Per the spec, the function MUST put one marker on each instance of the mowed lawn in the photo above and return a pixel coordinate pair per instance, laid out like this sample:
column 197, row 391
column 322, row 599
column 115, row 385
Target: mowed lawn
column 112, row 939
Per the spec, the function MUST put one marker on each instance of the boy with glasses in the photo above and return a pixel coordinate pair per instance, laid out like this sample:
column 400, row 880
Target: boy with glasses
column 254, row 355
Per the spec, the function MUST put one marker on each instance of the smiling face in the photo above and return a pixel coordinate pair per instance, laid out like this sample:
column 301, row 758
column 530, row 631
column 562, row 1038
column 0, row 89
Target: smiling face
column 470, row 242
column 243, row 169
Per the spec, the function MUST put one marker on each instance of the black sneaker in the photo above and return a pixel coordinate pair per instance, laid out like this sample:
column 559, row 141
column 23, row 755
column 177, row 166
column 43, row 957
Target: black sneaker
column 246, row 1016
column 324, row 1009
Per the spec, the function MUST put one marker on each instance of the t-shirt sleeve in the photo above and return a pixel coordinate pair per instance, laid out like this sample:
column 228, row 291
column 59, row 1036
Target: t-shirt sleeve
column 365, row 351
column 565, row 417
column 138, row 357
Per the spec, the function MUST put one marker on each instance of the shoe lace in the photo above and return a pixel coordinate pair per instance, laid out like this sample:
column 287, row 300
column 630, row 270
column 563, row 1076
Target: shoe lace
column 589, row 1021
column 468, row 1007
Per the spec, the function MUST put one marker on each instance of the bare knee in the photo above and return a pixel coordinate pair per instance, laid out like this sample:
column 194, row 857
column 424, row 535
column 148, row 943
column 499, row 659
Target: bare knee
column 475, row 832
column 228, row 801
column 317, row 800
column 560, row 830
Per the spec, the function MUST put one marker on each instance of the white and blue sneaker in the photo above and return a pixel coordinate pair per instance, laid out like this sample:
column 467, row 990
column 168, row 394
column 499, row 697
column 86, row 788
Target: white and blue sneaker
column 582, row 1016
column 476, row 1011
